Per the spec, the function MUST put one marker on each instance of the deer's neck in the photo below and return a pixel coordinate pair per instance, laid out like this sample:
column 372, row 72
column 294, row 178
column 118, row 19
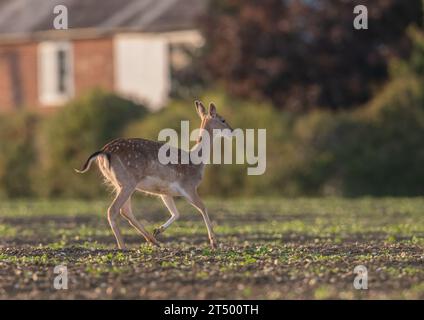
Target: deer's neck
column 203, row 145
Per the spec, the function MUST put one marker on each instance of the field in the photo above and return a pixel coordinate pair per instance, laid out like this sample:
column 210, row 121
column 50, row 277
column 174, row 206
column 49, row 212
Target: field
column 269, row 249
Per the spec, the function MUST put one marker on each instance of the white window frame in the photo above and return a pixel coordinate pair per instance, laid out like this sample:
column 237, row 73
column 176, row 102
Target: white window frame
column 48, row 69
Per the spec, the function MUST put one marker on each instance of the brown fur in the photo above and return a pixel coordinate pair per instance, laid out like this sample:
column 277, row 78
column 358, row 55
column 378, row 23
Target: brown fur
column 132, row 164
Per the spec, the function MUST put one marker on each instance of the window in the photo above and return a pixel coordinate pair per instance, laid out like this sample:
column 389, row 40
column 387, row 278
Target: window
column 55, row 76
column 62, row 74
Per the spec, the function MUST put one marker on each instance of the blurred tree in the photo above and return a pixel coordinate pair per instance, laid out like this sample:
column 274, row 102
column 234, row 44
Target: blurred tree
column 415, row 64
column 302, row 54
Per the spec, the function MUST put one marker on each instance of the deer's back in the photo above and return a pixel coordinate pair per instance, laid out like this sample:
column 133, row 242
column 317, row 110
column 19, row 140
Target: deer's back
column 140, row 159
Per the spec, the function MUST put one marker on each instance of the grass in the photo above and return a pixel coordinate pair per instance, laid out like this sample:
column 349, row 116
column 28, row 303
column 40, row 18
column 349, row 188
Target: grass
column 269, row 249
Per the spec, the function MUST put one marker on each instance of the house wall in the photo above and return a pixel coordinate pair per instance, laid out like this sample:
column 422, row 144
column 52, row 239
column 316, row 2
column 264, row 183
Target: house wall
column 18, row 76
column 134, row 65
column 142, row 63
column 142, row 68
column 93, row 64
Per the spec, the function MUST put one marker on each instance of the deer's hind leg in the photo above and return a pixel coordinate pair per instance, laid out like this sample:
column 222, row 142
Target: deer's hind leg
column 127, row 213
column 122, row 196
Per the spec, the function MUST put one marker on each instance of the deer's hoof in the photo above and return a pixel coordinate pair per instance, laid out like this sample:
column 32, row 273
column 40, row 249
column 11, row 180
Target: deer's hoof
column 157, row 231
column 214, row 245
column 153, row 242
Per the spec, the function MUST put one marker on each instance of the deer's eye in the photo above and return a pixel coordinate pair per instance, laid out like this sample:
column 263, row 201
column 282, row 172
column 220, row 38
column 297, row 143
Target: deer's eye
column 223, row 120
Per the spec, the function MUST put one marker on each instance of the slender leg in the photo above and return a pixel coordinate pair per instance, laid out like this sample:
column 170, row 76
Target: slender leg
column 127, row 213
column 170, row 204
column 194, row 199
column 113, row 211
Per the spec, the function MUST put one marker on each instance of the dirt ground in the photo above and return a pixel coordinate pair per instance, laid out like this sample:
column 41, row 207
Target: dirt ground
column 269, row 249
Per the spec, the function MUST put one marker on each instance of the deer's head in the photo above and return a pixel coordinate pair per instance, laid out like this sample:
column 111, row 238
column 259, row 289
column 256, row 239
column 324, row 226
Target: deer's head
column 212, row 120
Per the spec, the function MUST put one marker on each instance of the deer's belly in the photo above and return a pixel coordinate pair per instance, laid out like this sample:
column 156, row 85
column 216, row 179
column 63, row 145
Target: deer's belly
column 158, row 186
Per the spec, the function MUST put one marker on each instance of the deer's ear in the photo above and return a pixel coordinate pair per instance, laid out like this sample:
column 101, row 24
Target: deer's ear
column 212, row 110
column 201, row 110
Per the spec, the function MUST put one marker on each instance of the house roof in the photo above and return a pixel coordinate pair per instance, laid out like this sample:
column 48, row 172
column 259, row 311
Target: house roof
column 21, row 18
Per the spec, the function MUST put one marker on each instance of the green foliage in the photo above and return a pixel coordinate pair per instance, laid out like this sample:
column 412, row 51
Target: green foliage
column 76, row 131
column 416, row 61
column 377, row 150
column 17, row 154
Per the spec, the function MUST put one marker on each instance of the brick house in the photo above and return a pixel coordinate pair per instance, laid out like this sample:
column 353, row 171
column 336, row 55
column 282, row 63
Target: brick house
column 126, row 46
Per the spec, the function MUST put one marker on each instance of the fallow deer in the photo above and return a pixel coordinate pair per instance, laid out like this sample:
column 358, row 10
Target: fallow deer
column 131, row 165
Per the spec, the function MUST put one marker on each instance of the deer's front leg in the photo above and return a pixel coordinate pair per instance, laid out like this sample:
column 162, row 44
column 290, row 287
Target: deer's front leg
column 195, row 200
column 170, row 204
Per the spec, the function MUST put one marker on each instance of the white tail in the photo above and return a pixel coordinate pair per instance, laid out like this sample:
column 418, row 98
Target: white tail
column 133, row 164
